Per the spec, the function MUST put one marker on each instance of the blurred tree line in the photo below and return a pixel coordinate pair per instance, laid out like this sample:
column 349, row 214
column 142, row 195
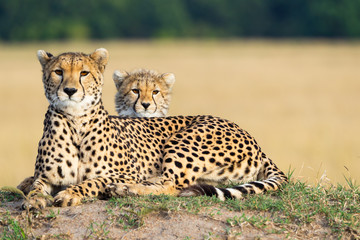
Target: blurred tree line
column 23, row 20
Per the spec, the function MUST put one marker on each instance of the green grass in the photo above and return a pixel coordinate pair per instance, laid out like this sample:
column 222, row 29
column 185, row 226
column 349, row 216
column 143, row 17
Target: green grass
column 12, row 228
column 296, row 203
column 98, row 231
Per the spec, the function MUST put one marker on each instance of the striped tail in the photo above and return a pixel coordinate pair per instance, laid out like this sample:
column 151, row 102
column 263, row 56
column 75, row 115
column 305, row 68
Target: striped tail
column 273, row 179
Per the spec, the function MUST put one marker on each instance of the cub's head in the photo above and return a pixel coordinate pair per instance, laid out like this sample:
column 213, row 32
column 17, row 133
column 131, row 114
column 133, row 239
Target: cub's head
column 73, row 81
column 143, row 93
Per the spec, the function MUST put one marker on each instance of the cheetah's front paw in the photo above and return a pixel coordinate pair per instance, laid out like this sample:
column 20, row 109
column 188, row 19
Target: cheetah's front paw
column 66, row 198
column 37, row 202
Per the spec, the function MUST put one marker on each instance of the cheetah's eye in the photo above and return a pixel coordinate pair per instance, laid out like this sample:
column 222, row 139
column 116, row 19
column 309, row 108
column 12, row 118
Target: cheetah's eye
column 136, row 91
column 155, row 92
column 84, row 73
column 59, row 72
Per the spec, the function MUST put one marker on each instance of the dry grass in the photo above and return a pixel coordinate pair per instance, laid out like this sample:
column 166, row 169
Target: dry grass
column 299, row 99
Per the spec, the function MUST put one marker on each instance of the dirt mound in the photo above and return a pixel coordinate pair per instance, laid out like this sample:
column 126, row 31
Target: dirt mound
column 101, row 220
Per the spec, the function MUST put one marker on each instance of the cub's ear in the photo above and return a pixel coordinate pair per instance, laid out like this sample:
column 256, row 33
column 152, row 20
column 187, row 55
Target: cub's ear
column 44, row 57
column 119, row 77
column 101, row 56
column 169, row 79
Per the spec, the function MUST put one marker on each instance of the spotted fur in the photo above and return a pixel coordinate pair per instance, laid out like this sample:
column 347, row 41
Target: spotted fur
column 143, row 93
column 84, row 152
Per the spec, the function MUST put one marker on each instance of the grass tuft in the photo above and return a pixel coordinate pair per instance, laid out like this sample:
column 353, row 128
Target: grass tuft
column 15, row 192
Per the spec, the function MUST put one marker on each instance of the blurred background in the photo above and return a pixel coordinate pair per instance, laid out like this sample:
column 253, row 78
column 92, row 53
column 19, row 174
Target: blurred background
column 286, row 71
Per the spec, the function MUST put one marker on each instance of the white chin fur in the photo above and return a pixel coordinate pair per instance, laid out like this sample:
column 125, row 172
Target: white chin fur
column 131, row 113
column 147, row 114
column 73, row 107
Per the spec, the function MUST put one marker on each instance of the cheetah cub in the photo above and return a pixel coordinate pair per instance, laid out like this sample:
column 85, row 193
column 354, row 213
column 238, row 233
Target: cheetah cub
column 143, row 93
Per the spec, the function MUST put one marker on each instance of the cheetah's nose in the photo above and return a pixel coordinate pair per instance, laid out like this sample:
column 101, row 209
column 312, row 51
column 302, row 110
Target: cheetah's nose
column 70, row 91
column 145, row 105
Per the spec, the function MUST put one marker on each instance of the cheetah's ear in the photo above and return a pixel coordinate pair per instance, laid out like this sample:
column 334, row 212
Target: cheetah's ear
column 101, row 56
column 169, row 79
column 119, row 77
column 44, row 57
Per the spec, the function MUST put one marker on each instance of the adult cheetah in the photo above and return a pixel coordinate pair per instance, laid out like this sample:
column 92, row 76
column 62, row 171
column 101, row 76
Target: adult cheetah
column 84, row 152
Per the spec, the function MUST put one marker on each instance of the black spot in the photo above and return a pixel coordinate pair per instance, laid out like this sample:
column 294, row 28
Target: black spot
column 185, row 149
column 59, row 170
column 181, row 155
column 178, row 164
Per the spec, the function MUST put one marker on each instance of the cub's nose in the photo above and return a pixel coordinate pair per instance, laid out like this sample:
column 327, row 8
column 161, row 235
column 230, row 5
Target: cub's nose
column 145, row 105
column 70, row 91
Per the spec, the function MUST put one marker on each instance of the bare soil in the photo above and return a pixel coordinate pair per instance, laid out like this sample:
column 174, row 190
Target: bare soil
column 98, row 220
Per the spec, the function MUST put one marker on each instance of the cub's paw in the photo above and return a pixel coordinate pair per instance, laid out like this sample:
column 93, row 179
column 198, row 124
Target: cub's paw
column 37, row 202
column 66, row 198
column 25, row 185
column 119, row 190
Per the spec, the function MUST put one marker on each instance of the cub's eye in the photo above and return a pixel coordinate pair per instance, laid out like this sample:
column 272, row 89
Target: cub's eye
column 84, row 73
column 59, row 72
column 155, row 92
column 136, row 91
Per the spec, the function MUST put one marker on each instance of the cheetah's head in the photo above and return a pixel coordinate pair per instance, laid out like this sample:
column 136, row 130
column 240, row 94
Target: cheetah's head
column 73, row 81
column 143, row 93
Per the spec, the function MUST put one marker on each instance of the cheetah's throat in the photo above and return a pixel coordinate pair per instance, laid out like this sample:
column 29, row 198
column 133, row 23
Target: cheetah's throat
column 73, row 107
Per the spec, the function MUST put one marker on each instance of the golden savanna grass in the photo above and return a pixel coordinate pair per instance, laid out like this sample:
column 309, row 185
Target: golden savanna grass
column 299, row 99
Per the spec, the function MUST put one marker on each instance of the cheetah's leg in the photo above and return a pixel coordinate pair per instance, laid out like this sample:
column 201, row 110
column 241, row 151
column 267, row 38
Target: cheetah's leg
column 161, row 186
column 89, row 188
column 39, row 194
